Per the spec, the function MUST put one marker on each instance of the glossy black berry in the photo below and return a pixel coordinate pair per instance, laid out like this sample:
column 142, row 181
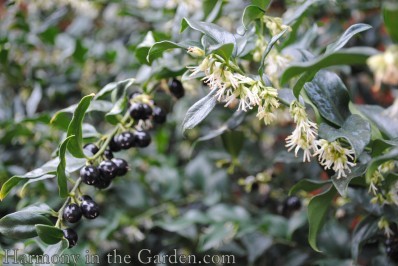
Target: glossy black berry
column 291, row 204
column 102, row 184
column 126, row 140
column 159, row 115
column 85, row 197
column 89, row 174
column 108, row 154
column 114, row 145
column 176, row 88
column 147, row 111
column 91, row 148
column 90, row 209
column 71, row 236
column 122, row 166
column 391, row 245
column 137, row 111
column 107, row 169
column 142, row 138
column 72, row 213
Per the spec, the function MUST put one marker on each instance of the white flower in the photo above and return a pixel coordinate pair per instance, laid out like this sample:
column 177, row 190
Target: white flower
column 333, row 155
column 385, row 66
column 304, row 135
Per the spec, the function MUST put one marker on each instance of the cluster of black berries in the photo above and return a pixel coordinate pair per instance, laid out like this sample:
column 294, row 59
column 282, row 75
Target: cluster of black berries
column 391, row 245
column 73, row 213
column 102, row 176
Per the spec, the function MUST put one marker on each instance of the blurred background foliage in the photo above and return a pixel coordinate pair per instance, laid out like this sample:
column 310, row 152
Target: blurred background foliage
column 199, row 197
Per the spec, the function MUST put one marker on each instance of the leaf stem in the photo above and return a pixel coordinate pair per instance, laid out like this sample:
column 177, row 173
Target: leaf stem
column 61, row 210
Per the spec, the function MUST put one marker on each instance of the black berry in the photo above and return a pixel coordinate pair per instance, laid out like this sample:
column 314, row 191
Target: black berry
column 91, row 148
column 107, row 170
column 126, row 140
column 291, row 204
column 147, row 111
column 89, row 174
column 176, row 88
column 90, row 209
column 114, row 145
column 159, row 115
column 137, row 111
column 71, row 236
column 72, row 213
column 122, row 166
column 85, row 197
column 142, row 138
column 102, row 184
column 108, row 154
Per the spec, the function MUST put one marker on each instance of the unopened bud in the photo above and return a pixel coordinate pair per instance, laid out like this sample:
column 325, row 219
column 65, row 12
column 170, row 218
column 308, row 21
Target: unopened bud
column 196, row 51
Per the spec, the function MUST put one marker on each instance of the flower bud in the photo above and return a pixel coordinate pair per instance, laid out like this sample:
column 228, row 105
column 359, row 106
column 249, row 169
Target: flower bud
column 195, row 51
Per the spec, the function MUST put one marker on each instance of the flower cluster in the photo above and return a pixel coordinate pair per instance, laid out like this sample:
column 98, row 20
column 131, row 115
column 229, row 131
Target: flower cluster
column 232, row 87
column 332, row 155
column 385, row 66
column 305, row 133
column 275, row 25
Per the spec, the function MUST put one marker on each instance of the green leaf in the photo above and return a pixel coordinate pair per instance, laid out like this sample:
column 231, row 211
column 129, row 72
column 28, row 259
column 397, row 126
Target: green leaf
column 347, row 35
column 215, row 32
column 250, row 14
column 61, row 118
column 349, row 56
column 364, row 231
column 118, row 108
column 390, row 17
column 61, row 174
column 215, row 235
column 307, row 185
column 114, row 86
column 75, row 127
column 304, row 78
column 233, row 142
column 342, row 183
column 271, row 44
column 274, row 225
column 256, row 244
column 143, row 48
column 298, row 13
column 199, row 111
column 48, row 168
column 317, row 210
column 387, row 124
column 49, row 234
column 56, row 249
column 263, row 4
column 158, row 48
column 377, row 161
column 223, row 50
column 355, row 130
column 21, row 224
column 236, row 119
column 328, row 93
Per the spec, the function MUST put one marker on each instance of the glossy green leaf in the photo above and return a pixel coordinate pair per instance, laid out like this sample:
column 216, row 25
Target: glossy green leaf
column 158, row 48
column 270, row 45
column 75, row 127
column 233, row 142
column 386, row 123
column 215, row 32
column 355, row 130
column 307, row 185
column 390, row 17
column 348, row 56
column 263, row 4
column 61, row 174
column 215, row 235
column 56, row 249
column 114, row 115
column 330, row 96
column 250, row 14
column 48, row 168
column 199, row 111
column 347, row 35
column 317, row 211
column 142, row 49
column 125, row 84
column 21, row 224
column 289, row 18
column 223, row 50
column 342, row 183
column 49, row 234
